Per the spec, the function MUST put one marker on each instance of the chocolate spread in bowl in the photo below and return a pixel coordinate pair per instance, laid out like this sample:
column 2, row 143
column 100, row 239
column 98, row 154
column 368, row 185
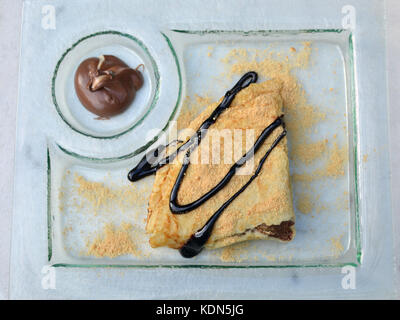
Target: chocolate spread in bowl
column 106, row 86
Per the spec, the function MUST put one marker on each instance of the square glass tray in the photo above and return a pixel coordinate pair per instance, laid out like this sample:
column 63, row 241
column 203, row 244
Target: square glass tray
column 344, row 229
column 326, row 235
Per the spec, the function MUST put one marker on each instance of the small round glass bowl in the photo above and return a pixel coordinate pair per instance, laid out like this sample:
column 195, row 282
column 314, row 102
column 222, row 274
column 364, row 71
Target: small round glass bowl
column 130, row 50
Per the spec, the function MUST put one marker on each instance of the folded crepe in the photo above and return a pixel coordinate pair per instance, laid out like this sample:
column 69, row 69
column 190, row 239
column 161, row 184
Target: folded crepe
column 263, row 210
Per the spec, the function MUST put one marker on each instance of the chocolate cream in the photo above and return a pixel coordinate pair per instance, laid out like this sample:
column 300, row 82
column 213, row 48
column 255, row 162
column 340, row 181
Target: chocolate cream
column 106, row 86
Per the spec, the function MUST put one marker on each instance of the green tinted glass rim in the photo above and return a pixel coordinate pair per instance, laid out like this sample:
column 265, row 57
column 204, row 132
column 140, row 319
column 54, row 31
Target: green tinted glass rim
column 257, row 32
column 155, row 138
column 156, row 75
column 213, row 266
column 199, row 266
column 355, row 147
column 49, row 224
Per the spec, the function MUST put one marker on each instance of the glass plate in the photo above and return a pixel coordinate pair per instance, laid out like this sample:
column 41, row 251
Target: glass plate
column 53, row 227
column 327, row 238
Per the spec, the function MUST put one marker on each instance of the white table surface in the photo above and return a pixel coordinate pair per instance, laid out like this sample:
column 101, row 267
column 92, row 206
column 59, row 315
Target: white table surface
column 10, row 24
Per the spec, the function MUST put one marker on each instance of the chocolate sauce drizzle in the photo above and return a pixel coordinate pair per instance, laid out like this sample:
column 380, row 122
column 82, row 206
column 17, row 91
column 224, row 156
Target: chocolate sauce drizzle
column 145, row 167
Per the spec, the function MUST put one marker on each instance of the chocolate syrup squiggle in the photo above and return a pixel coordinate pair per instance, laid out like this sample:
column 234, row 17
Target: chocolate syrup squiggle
column 145, row 168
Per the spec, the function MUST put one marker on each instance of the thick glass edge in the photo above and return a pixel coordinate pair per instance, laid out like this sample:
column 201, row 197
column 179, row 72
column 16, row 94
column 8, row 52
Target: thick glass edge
column 257, row 32
column 49, row 223
column 353, row 106
column 156, row 75
column 355, row 146
column 200, row 266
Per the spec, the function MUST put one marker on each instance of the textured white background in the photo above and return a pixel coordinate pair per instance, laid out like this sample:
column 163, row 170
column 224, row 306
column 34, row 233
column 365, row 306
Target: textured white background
column 10, row 23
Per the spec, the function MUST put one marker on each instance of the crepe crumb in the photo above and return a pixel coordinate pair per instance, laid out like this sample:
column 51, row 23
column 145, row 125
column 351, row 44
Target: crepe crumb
column 342, row 201
column 97, row 197
column 210, row 51
column 365, row 158
column 304, row 204
column 113, row 242
column 336, row 245
column 228, row 255
column 271, row 258
column 336, row 163
column 94, row 192
column 308, row 152
column 66, row 230
column 333, row 168
column 234, row 253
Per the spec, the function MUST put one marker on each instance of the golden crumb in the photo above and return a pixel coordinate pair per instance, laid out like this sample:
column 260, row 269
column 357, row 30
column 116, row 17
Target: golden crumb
column 113, row 242
column 308, row 152
column 336, row 245
column 95, row 192
column 304, row 203
column 67, row 230
column 334, row 167
column 342, row 202
column 234, row 253
column 336, row 162
column 97, row 197
column 270, row 258
column 210, row 51
column 227, row 254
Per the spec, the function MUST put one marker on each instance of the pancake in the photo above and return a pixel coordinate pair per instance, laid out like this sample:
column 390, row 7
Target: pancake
column 264, row 210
